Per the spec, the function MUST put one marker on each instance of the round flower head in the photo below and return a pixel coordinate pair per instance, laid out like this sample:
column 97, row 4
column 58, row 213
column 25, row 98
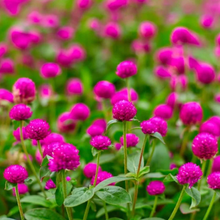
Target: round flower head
column 211, row 128
column 68, row 178
column 126, row 69
column 38, row 157
column 214, row 180
column 162, row 72
column 112, row 30
column 84, row 4
column 172, row 100
column 140, row 47
column 124, row 111
column 216, row 164
column 23, row 91
column 207, row 21
column 7, row 66
column 215, row 120
column 80, row 112
column 148, row 127
column 205, row 73
column 20, row 112
column 74, row 87
column 6, row 95
column 131, row 139
column 163, row 111
column 90, row 170
column 22, row 189
column 155, row 188
column 104, row 89
column 50, row 21
column 53, row 138
column 100, row 122
column 191, row 113
column 77, row 53
column 161, row 125
column 50, row 184
column 147, row 30
column 118, row 146
column 65, row 123
column 16, row 134
column 45, row 91
column 95, row 130
column 100, row 142
column 3, row 49
column 205, row 146
column 189, row 173
column 103, row 175
column 178, row 64
column 164, row 55
column 37, row 129
column 34, row 17
column 15, row 174
column 50, row 70
column 65, row 156
column 65, row 33
column 49, row 148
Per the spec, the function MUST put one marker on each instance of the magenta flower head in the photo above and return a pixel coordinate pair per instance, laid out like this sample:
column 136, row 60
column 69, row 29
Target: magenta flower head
column 65, row 123
column 205, row 146
column 161, row 125
column 213, row 180
column 50, row 184
column 49, row 148
column 20, row 112
column 34, row 17
column 207, row 21
column 45, row 91
column 100, row 142
column 65, row 33
column 50, row 70
column 118, row 146
column 124, row 111
column 16, row 134
column 133, row 93
column 68, row 178
column 205, row 73
column 215, row 120
column 210, row 127
column 66, row 156
column 6, row 95
column 37, row 129
column 104, row 89
column 131, row 139
column 191, row 113
column 50, row 21
column 139, row 47
column 163, row 111
column 84, row 4
column 74, row 87
column 100, row 122
column 155, row 188
column 112, row 30
column 147, row 30
column 216, row 164
column 80, row 112
column 77, row 53
column 3, row 49
column 7, row 66
column 164, row 55
column 189, row 173
column 162, row 72
column 95, row 130
column 148, row 127
column 90, row 170
column 178, row 64
column 126, row 69
column 22, row 189
column 172, row 100
column 103, row 175
column 24, row 91
column 53, row 138
column 15, row 174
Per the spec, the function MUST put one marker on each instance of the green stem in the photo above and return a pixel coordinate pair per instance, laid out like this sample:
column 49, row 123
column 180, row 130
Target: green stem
column 68, row 210
column 105, row 111
column 87, row 210
column 129, row 92
column 29, row 161
column 178, row 203
column 19, row 202
column 135, row 198
column 203, row 172
column 39, row 148
column 106, row 211
column 209, row 167
column 185, row 141
column 154, row 207
column 210, row 206
column 151, row 155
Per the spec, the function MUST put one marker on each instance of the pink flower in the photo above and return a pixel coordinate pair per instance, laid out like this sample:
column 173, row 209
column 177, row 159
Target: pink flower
column 22, row 189
column 205, row 73
column 20, row 112
column 38, row 157
column 216, row 164
column 210, row 127
column 112, row 30
column 50, row 70
column 74, row 87
column 163, row 111
column 35, row 17
column 52, row 138
column 126, row 69
column 172, row 100
column 189, row 173
column 214, row 180
column 45, row 91
column 114, row 5
column 95, row 130
column 50, row 21
column 65, row 33
column 84, row 4
column 3, row 49
column 140, row 47
column 100, row 142
column 68, row 178
column 65, row 123
column 103, row 175
column 13, row 7
column 162, row 72
column 161, row 125
column 147, row 30
column 131, row 139
column 100, row 122
column 50, row 184
column 90, row 170
column 164, row 55
column 6, row 95
column 15, row 174
column 148, row 127
column 155, row 188
column 207, row 21
column 80, row 112
column 50, row 147
column 16, row 134
column 7, row 66
column 118, row 146
column 104, row 89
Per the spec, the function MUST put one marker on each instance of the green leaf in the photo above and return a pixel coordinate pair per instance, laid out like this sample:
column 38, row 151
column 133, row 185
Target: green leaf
column 110, row 123
column 95, row 151
column 144, row 171
column 158, row 136
column 115, row 218
column 28, row 181
column 78, row 196
column 36, row 200
column 133, row 161
column 44, row 171
column 59, row 196
column 101, row 211
column 9, row 186
column 114, row 195
column 16, row 124
column 6, row 218
column 195, row 195
column 45, row 161
column 42, row 214
column 170, row 178
column 185, row 209
column 153, row 218
column 166, row 172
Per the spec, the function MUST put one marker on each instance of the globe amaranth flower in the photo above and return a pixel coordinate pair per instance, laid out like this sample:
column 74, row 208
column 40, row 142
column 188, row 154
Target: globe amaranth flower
column 172, row 100
column 124, row 111
column 131, row 140
column 210, row 127
column 216, row 164
column 24, row 91
column 20, row 112
column 164, row 55
column 205, row 146
column 68, row 178
column 50, row 70
column 37, row 129
column 161, row 125
column 112, row 30
column 49, row 148
column 163, row 111
column 162, row 72
column 148, row 127
column 126, row 69
column 100, row 122
column 22, row 189
column 84, row 4
column 103, row 175
column 6, row 95
column 213, row 180
column 65, row 156
column 104, row 89
column 15, row 174
column 118, row 146
column 205, row 73
column 38, row 156
column 189, row 173
column 17, row 134
column 6, row 66
column 50, row 184
column 100, row 142
column 74, row 87
column 90, row 170
column 45, row 91
column 155, row 188
column 191, row 113
column 80, row 112
column 53, row 138
column 95, row 130
column 65, row 123
column 65, row 33
column 147, row 30
column 207, row 21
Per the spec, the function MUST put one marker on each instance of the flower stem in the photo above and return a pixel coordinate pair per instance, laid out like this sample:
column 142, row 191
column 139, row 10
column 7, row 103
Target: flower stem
column 128, row 88
column 19, row 202
column 151, row 155
column 135, row 197
column 68, row 210
column 87, row 210
column 210, row 206
column 106, row 211
column 29, row 161
column 178, row 203
column 154, row 207
column 203, row 172
column 185, row 141
column 39, row 147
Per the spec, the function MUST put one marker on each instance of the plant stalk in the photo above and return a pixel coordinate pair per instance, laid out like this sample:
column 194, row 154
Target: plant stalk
column 128, row 88
column 151, row 155
column 203, row 172
column 39, row 148
column 19, row 202
column 210, row 206
column 154, row 207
